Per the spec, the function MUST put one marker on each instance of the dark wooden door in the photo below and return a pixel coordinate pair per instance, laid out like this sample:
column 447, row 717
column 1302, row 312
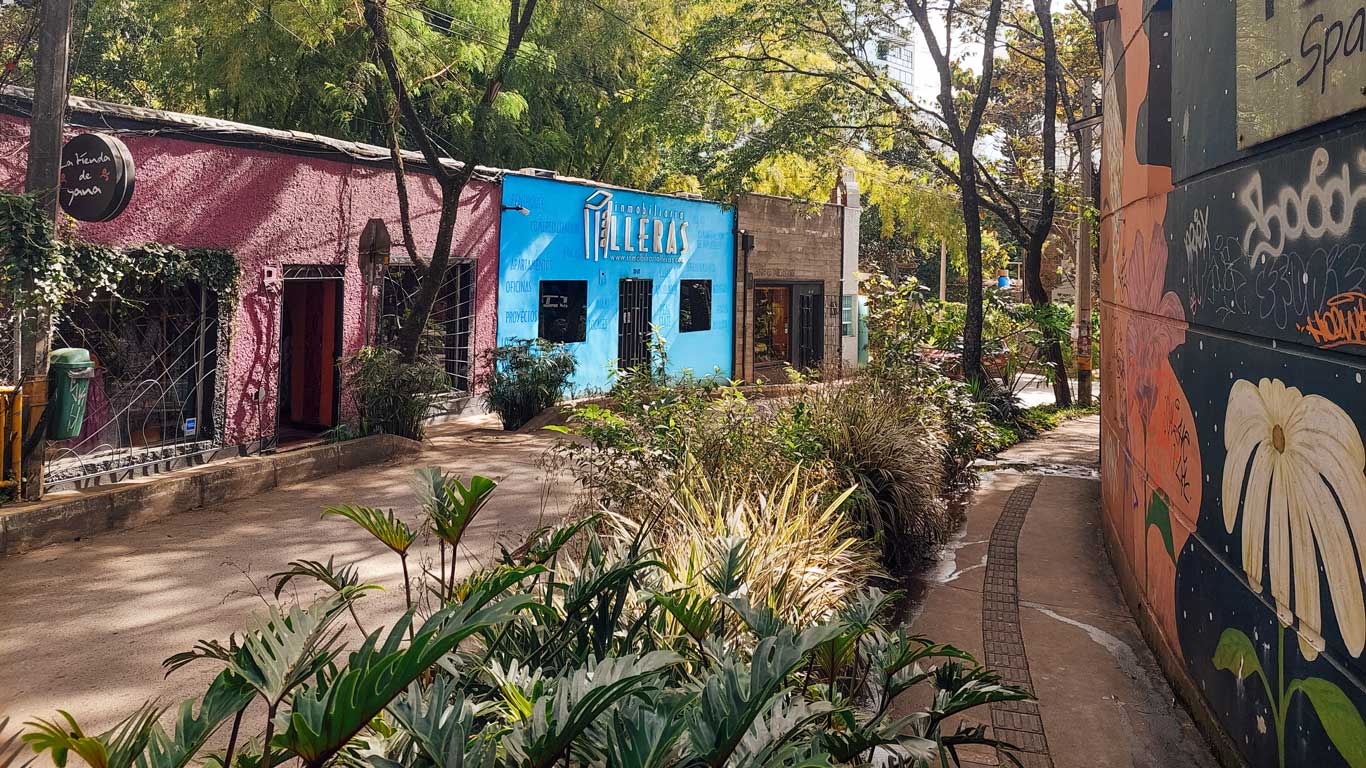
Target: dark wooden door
column 633, row 323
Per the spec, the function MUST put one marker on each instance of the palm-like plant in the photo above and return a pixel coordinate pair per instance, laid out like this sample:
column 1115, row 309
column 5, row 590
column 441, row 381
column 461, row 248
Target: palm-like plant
column 388, row 530
column 451, row 507
column 630, row 654
column 10, row 747
column 119, row 747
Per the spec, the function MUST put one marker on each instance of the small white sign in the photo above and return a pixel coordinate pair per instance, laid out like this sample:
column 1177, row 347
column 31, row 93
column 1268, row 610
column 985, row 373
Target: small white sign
column 191, row 426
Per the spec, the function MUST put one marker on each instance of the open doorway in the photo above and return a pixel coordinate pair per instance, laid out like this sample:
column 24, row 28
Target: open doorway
column 788, row 327
column 310, row 344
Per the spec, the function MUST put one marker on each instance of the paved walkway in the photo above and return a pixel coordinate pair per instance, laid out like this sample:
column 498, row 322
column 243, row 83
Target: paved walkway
column 84, row 626
column 1028, row 587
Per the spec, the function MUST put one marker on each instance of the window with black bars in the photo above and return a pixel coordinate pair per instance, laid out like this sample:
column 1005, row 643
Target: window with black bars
column 450, row 331
column 150, row 398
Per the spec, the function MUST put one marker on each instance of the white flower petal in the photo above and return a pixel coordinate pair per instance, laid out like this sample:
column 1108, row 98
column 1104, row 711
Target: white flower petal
column 1279, row 524
column 1247, row 417
column 1245, row 427
column 1334, row 542
column 1299, row 491
column 1255, row 515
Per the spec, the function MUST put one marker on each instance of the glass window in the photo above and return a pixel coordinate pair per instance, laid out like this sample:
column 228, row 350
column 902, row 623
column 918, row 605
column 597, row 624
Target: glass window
column 694, row 306
column 846, row 315
column 772, row 325
column 564, row 310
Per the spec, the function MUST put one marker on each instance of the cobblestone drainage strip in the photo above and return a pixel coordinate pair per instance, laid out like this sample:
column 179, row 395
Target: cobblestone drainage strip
column 1015, row 722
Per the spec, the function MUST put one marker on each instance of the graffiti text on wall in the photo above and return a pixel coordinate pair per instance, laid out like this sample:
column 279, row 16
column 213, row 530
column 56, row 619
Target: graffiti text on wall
column 1299, row 63
column 1340, row 323
column 1319, row 206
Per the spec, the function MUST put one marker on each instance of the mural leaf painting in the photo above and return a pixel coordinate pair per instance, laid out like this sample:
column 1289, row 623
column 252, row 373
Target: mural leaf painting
column 1339, row 717
column 1236, row 654
column 1160, row 515
column 1301, row 459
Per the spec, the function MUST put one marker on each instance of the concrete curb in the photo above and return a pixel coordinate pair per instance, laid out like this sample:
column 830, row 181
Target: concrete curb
column 70, row 515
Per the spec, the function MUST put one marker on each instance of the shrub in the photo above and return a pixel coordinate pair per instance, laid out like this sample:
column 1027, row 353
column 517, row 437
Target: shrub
column 544, row 659
column 892, row 449
column 393, row 396
column 803, row 557
column 529, row 376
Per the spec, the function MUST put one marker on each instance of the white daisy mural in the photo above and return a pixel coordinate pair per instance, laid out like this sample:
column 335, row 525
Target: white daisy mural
column 1295, row 474
column 1295, row 470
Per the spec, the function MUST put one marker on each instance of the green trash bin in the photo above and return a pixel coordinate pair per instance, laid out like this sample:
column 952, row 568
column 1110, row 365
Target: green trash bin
column 69, row 373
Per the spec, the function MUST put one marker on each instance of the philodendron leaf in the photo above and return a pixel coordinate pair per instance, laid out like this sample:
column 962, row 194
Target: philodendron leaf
column 1339, row 717
column 1236, row 654
column 1160, row 515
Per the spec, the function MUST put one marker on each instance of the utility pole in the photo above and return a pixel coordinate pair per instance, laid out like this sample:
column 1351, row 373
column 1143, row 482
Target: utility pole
column 1084, row 254
column 943, row 271
column 44, row 175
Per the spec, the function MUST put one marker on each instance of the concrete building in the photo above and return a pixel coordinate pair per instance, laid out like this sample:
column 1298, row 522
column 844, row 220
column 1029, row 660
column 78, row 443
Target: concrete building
column 189, row 376
column 1234, row 293
column 797, row 284
column 607, row 270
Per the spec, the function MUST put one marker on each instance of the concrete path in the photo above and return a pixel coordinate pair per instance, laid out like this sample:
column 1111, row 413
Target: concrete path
column 84, row 626
column 1028, row 588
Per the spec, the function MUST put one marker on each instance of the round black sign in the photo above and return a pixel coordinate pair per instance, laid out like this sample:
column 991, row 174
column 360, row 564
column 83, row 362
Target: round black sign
column 97, row 177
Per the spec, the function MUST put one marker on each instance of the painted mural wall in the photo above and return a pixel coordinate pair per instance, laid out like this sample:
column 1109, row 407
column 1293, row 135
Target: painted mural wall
column 580, row 232
column 271, row 207
column 1233, row 402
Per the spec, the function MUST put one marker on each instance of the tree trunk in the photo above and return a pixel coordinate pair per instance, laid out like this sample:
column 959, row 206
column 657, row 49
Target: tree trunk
column 1038, row 236
column 452, row 183
column 972, row 220
column 1051, row 348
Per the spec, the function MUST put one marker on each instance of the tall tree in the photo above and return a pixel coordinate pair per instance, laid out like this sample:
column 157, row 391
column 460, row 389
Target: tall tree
column 1049, row 57
column 452, row 181
column 839, row 92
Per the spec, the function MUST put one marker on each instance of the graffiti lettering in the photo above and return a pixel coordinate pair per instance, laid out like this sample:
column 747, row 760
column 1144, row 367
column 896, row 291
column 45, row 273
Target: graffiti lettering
column 1342, row 322
column 1327, row 41
column 1180, row 435
column 1217, row 277
column 1197, row 234
column 1197, row 247
column 1321, row 206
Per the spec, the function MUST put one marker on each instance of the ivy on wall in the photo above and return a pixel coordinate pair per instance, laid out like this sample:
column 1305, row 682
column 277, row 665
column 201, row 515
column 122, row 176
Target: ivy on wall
column 61, row 270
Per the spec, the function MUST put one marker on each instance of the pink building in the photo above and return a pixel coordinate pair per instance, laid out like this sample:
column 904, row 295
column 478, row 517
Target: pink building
column 184, row 379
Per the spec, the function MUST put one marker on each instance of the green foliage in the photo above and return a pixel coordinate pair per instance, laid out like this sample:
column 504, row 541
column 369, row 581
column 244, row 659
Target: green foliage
column 393, row 396
column 10, row 746
column 898, row 437
column 119, row 747
column 889, row 444
column 628, row 652
column 67, row 270
column 529, row 376
column 387, row 529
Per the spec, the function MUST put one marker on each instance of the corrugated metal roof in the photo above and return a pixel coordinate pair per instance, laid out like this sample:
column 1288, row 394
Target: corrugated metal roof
column 97, row 114
column 17, row 99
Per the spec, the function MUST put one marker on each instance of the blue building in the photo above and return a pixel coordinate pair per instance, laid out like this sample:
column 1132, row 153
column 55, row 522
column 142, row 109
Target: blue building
column 602, row 269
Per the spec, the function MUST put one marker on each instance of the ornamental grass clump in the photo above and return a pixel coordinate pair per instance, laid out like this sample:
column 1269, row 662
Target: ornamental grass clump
column 803, row 557
column 889, row 447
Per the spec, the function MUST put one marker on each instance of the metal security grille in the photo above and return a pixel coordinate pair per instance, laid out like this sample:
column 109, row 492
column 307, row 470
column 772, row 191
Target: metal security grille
column 314, row 272
column 150, row 403
column 450, row 331
column 633, row 325
column 9, row 347
column 810, row 327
